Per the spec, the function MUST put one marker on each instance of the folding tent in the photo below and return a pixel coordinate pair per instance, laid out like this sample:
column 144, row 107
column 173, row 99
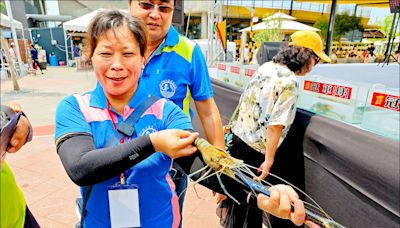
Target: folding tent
column 6, row 22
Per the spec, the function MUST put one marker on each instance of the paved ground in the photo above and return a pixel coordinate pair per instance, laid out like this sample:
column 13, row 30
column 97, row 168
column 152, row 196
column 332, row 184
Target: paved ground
column 49, row 192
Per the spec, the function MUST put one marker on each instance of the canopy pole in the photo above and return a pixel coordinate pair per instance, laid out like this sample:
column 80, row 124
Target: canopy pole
column 330, row 27
column 391, row 40
column 72, row 50
column 355, row 15
column 66, row 48
column 291, row 7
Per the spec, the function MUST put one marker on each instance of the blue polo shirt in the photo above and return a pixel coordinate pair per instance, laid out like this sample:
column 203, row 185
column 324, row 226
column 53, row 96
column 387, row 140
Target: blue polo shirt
column 88, row 113
column 178, row 71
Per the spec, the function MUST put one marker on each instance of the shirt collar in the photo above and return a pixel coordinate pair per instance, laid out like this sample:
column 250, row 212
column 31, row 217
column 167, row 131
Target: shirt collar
column 98, row 98
column 172, row 37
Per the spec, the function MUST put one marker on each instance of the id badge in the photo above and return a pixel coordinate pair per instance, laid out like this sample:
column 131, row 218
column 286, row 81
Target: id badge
column 124, row 205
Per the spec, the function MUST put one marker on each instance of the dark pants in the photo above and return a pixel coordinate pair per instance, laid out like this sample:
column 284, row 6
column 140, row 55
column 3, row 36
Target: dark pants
column 181, row 181
column 233, row 215
column 35, row 61
column 30, row 221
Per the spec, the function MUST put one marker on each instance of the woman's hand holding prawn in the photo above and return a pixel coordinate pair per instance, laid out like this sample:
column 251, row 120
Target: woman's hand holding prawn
column 174, row 143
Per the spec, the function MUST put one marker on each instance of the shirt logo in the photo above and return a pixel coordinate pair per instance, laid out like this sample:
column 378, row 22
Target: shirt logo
column 147, row 130
column 167, row 88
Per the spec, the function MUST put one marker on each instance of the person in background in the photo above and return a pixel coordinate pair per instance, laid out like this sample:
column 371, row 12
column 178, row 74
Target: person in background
column 371, row 49
column 77, row 51
column 364, row 54
column 255, row 51
column 14, row 211
column 35, row 59
column 333, row 56
column 2, row 56
column 166, row 51
column 266, row 110
column 12, row 52
column 354, row 52
column 246, row 55
column 368, row 58
column 80, row 63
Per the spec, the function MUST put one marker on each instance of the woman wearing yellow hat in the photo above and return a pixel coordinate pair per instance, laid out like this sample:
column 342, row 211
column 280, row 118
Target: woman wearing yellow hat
column 265, row 112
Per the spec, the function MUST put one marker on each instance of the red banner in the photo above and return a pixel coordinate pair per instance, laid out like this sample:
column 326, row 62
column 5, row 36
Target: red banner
column 249, row 72
column 221, row 66
column 328, row 89
column 235, row 69
column 386, row 101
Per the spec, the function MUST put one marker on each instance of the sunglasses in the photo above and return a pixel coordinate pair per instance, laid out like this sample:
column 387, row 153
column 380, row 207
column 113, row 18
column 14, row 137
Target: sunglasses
column 151, row 6
column 316, row 58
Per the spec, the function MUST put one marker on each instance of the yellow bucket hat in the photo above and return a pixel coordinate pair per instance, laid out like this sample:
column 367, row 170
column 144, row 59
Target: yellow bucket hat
column 311, row 40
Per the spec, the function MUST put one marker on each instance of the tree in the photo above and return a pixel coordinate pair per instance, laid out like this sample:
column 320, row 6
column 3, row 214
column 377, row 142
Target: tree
column 386, row 25
column 343, row 23
column 272, row 34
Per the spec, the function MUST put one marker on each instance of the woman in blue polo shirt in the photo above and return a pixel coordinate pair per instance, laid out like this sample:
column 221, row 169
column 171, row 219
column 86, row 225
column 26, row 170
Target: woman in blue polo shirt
column 84, row 124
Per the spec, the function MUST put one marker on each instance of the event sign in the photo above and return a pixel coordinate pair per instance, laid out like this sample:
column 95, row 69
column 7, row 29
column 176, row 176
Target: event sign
column 328, row 89
column 386, row 101
column 249, row 72
column 221, row 66
column 235, row 69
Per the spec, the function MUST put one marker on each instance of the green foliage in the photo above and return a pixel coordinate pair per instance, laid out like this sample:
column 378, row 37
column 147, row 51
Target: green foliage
column 386, row 25
column 269, row 35
column 322, row 24
column 343, row 23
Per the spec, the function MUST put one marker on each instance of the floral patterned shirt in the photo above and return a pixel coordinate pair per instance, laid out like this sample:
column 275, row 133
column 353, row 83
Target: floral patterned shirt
column 269, row 99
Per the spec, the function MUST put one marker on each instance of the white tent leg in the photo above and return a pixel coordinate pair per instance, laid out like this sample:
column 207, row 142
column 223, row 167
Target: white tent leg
column 66, row 48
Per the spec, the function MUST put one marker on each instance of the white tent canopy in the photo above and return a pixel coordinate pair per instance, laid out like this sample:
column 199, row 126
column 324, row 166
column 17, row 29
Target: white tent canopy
column 81, row 23
column 279, row 15
column 6, row 22
column 286, row 26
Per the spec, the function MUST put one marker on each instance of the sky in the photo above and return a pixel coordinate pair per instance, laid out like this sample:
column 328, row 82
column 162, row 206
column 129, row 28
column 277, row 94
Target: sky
column 378, row 14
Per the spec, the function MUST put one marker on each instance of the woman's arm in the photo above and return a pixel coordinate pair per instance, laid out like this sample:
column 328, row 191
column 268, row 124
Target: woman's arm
column 274, row 133
column 87, row 165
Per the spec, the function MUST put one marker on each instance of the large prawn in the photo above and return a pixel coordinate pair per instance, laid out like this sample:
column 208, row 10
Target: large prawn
column 220, row 162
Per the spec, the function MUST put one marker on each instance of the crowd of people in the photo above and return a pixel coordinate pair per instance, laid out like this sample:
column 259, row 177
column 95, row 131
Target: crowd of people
column 133, row 131
column 366, row 55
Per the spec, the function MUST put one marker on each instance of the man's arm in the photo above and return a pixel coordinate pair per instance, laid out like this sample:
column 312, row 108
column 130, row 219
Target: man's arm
column 211, row 122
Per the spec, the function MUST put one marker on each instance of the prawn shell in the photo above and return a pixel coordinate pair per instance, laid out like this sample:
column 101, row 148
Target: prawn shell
column 216, row 158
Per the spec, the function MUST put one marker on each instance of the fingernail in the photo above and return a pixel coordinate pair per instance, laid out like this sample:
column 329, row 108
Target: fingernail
column 14, row 142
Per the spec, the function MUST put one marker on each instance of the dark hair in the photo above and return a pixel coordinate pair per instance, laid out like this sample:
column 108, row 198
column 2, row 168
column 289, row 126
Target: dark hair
column 294, row 57
column 111, row 20
column 173, row 1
